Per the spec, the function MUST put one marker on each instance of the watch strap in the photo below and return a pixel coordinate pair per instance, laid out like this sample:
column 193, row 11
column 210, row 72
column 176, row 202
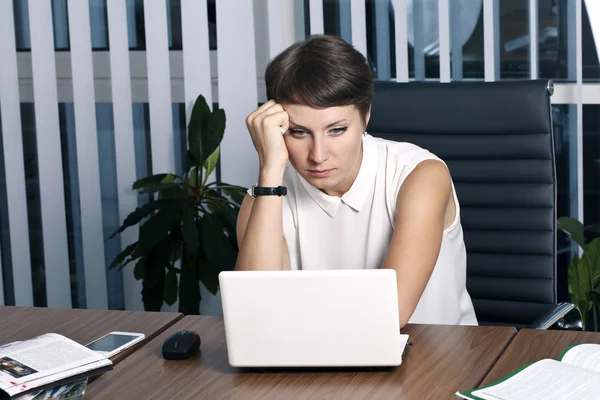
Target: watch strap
column 268, row 191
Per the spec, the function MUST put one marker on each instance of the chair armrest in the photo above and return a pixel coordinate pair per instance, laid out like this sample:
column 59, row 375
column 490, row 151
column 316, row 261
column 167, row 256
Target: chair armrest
column 564, row 316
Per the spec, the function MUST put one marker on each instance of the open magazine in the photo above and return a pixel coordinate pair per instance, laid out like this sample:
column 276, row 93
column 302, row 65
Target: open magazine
column 46, row 361
column 576, row 375
column 69, row 391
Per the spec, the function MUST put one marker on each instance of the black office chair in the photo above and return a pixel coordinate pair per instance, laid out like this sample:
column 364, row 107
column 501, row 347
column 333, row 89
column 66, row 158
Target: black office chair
column 497, row 141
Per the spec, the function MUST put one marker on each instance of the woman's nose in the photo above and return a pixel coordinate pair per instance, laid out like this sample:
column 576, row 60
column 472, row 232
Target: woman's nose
column 318, row 153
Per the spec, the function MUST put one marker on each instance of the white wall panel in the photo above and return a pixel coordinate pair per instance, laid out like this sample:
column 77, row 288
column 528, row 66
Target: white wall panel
column 280, row 14
column 159, row 87
column 13, row 161
column 54, row 225
column 316, row 17
column 568, row 93
column 444, row 38
column 196, row 53
column 124, row 143
column 533, row 39
column 401, row 40
column 359, row 25
column 90, row 205
column 491, row 37
column 237, row 89
column 579, row 79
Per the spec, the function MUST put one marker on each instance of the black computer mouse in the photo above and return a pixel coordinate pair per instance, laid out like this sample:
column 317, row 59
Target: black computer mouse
column 181, row 345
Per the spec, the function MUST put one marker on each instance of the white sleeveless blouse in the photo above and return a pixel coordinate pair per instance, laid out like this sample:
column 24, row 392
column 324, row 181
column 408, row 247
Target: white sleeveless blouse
column 354, row 231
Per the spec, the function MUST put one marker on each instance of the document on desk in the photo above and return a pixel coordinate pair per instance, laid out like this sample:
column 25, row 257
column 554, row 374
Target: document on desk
column 46, row 360
column 575, row 376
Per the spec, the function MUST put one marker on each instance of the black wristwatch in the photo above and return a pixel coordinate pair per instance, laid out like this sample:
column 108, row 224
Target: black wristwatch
column 268, row 191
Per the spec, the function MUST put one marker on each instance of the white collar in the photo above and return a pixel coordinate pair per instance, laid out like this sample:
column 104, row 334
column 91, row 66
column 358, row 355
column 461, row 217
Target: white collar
column 357, row 194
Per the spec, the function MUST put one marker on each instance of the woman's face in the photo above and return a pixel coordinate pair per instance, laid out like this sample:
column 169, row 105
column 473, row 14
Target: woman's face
column 325, row 145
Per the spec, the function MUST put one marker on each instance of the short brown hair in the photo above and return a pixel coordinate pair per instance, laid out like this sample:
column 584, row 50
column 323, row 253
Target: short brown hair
column 321, row 71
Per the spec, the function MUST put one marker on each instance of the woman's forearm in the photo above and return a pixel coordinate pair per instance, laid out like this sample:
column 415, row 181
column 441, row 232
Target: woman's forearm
column 263, row 246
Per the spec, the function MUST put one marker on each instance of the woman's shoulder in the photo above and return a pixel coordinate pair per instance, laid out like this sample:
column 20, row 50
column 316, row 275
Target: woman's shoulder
column 401, row 154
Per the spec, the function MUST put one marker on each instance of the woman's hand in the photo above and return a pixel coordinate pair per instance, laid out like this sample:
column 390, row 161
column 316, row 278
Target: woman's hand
column 266, row 125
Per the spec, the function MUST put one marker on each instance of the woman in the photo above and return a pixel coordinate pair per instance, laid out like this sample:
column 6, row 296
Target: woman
column 331, row 196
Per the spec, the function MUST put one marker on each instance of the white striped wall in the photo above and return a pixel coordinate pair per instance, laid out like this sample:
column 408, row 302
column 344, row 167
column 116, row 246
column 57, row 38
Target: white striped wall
column 13, row 157
column 231, row 76
column 237, row 88
column 533, row 42
column 280, row 25
column 579, row 79
column 400, row 22
column 358, row 25
column 315, row 8
column 124, row 142
column 87, row 150
column 54, row 229
column 159, row 86
column 444, row 38
column 491, row 37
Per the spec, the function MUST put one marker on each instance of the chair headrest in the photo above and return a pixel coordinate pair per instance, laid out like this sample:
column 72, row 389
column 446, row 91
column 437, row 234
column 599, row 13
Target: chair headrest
column 462, row 107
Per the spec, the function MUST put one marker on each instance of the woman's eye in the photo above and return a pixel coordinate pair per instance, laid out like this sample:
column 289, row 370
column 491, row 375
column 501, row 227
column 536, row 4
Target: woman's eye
column 339, row 131
column 297, row 132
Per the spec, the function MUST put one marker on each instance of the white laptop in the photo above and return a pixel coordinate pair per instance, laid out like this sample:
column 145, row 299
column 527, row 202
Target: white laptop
column 333, row 318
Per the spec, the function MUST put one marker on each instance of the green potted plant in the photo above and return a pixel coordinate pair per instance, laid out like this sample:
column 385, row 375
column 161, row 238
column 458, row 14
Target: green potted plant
column 187, row 231
column 584, row 272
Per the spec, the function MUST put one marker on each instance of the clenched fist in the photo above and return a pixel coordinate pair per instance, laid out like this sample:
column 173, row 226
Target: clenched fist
column 266, row 125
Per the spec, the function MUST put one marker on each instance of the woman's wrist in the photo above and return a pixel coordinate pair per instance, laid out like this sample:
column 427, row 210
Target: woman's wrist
column 270, row 177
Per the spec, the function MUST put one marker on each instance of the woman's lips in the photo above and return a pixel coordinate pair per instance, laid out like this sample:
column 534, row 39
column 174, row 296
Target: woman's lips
column 320, row 173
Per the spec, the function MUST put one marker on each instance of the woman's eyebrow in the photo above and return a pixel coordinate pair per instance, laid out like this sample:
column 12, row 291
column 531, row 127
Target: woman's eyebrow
column 328, row 126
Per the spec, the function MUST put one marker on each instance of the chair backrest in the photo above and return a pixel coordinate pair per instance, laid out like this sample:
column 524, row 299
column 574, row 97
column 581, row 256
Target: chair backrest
column 497, row 140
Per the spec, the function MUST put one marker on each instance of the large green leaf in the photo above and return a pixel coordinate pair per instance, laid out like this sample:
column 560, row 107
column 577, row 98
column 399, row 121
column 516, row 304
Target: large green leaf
column 189, row 287
column 153, row 295
column 219, row 254
column 190, row 161
column 138, row 214
column 139, row 269
column 196, row 126
column 216, row 199
column 149, row 181
column 158, row 259
column 595, row 294
column 580, row 286
column 157, row 227
column 193, row 178
column 168, row 188
column 153, row 284
column 573, row 228
column 237, row 193
column 176, row 192
column 123, row 255
column 211, row 161
column 213, row 134
column 171, row 287
column 228, row 216
column 160, row 187
column 591, row 257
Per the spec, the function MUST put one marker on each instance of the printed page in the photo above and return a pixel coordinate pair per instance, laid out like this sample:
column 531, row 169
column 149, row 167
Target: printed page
column 59, row 378
column 545, row 380
column 583, row 356
column 43, row 356
column 72, row 391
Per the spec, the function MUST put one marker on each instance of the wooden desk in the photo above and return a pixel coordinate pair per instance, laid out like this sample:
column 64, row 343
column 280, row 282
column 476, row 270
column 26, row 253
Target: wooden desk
column 83, row 326
column 532, row 345
column 442, row 360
